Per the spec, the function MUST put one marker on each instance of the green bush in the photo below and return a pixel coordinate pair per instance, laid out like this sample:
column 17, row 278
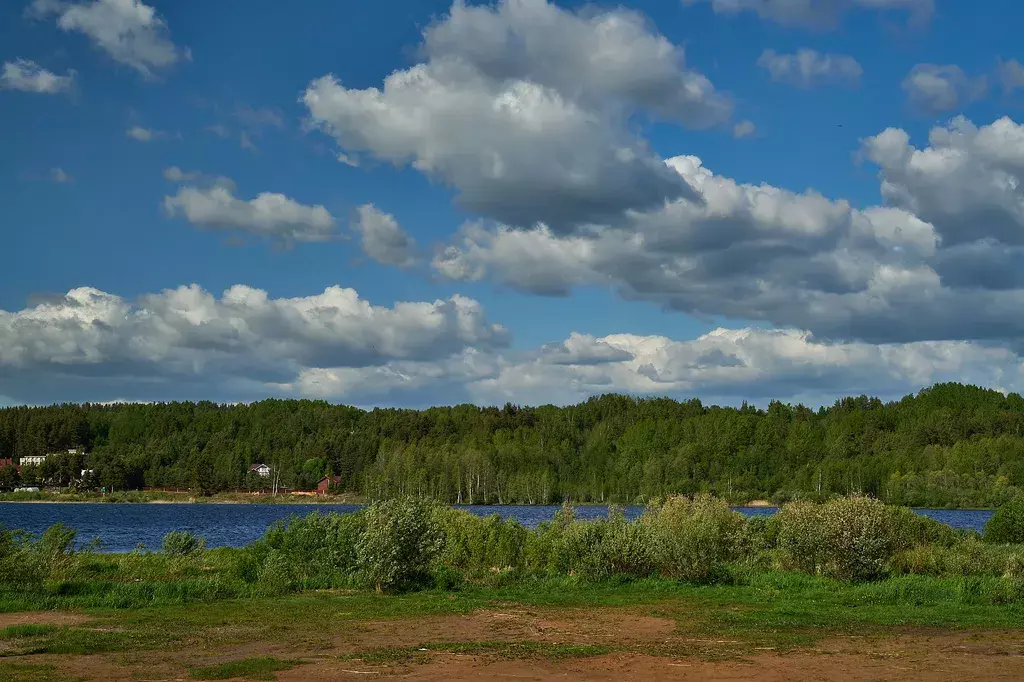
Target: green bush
column 1007, row 524
column 478, row 544
column 398, row 544
column 691, row 540
column 182, row 543
column 848, row 538
column 317, row 551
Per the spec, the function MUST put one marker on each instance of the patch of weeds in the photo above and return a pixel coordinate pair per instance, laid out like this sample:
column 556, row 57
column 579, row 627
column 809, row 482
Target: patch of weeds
column 78, row 642
column 261, row 668
column 521, row 649
column 26, row 630
column 388, row 654
column 23, row 672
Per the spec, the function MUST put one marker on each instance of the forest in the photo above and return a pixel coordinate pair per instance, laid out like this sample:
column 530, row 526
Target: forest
column 950, row 445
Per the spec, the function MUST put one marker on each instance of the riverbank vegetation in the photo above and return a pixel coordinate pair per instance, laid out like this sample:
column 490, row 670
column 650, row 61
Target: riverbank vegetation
column 948, row 446
column 409, row 581
column 408, row 544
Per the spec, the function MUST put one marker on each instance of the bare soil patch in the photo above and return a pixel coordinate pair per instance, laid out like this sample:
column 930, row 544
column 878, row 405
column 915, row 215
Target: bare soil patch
column 641, row 645
column 42, row 618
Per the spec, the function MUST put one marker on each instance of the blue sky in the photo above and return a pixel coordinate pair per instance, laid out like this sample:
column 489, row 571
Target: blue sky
column 215, row 92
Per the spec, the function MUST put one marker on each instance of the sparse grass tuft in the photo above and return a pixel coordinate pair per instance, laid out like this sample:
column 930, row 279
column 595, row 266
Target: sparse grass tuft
column 261, row 668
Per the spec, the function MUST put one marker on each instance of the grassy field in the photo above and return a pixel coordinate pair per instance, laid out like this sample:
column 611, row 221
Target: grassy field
column 776, row 612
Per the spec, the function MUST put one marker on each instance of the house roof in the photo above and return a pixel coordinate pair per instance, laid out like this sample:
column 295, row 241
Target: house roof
column 254, row 467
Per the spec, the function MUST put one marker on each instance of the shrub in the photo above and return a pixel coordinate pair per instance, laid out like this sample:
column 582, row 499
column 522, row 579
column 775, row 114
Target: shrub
column 315, row 551
column 398, row 544
column 692, row 539
column 182, row 543
column 850, row 538
column 478, row 544
column 1007, row 524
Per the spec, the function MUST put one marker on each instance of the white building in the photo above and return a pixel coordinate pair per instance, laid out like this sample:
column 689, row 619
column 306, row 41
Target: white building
column 36, row 460
column 261, row 470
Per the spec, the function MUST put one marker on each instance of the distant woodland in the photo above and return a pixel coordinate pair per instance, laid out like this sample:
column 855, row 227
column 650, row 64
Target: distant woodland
column 949, row 445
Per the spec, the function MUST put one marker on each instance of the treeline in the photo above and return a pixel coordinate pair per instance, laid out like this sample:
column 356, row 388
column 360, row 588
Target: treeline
column 949, row 445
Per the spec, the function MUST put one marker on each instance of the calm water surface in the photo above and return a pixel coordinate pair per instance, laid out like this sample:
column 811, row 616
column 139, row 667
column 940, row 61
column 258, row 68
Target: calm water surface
column 120, row 527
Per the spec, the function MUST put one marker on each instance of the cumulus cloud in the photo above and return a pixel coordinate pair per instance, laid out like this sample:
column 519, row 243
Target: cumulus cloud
column 737, row 364
column 130, row 31
column 245, row 338
column 934, row 88
column 27, row 76
column 743, row 129
column 189, row 343
column 816, row 14
column 270, row 214
column 808, row 68
column 726, row 365
column 523, row 107
column 941, row 260
column 969, row 183
column 383, row 239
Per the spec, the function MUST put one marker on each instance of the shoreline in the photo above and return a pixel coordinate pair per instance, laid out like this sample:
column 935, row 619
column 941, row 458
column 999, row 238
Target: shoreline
column 342, row 500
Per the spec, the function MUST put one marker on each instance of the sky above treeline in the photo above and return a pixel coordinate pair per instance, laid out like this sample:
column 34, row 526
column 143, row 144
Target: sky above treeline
column 416, row 202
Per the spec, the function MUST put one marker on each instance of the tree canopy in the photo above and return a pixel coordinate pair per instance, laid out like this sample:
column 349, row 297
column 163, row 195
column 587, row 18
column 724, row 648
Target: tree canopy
column 948, row 445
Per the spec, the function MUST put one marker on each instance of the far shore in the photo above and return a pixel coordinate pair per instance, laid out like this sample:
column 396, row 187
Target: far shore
column 143, row 497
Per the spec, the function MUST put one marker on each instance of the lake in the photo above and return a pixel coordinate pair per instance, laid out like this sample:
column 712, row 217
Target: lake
column 120, row 527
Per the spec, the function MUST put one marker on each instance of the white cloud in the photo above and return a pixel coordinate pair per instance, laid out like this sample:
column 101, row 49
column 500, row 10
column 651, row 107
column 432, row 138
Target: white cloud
column 27, row 76
column 243, row 341
column 942, row 260
column 522, row 108
column 1011, row 75
column 745, row 364
column 816, row 14
column 743, row 129
column 969, row 182
column 808, row 68
column 145, row 134
column 59, row 175
column 383, row 239
column 188, row 343
column 270, row 214
column 179, row 176
column 934, row 88
column 130, row 31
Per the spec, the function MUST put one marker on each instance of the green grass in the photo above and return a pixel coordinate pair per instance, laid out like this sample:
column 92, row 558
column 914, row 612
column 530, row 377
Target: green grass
column 522, row 649
column 27, row 672
column 261, row 668
column 27, row 630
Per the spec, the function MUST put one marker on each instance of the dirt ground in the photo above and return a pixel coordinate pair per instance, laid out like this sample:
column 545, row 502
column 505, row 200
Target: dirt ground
column 643, row 647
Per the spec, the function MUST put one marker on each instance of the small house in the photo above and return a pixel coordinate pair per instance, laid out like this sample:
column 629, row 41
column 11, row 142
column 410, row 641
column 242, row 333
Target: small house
column 261, row 470
column 32, row 460
column 326, row 483
column 6, row 463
